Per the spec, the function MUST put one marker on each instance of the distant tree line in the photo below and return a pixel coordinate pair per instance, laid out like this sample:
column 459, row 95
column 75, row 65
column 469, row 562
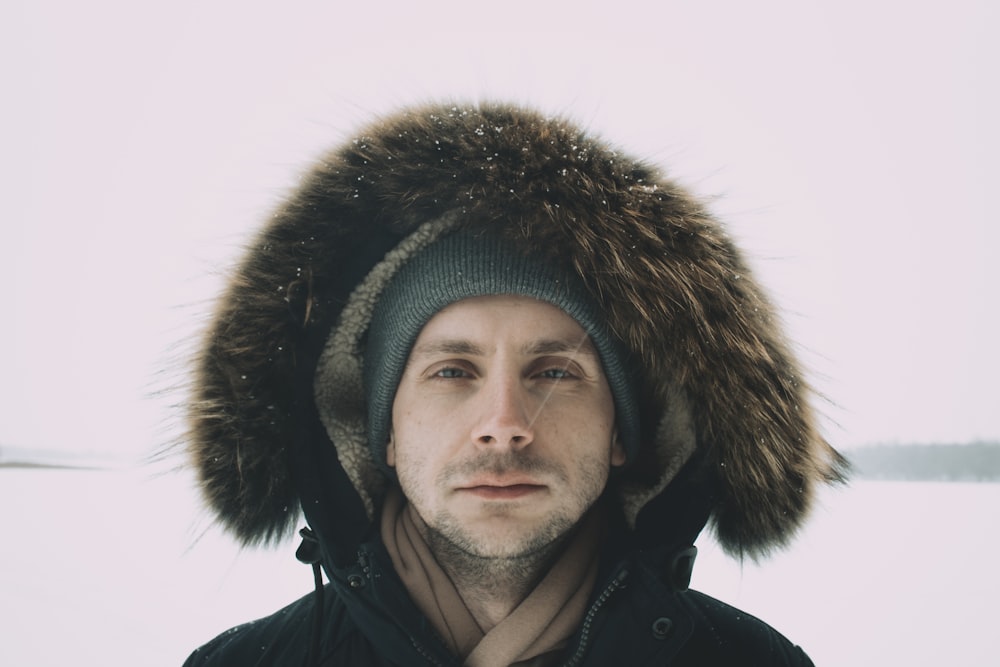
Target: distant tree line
column 977, row 462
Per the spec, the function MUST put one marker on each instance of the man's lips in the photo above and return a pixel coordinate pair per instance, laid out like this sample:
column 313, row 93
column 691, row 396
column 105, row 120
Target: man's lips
column 502, row 490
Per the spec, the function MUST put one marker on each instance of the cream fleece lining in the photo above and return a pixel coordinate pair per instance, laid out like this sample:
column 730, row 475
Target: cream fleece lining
column 339, row 385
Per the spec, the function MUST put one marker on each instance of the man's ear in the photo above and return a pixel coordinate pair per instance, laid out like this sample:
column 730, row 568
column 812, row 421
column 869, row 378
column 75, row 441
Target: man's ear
column 390, row 452
column 617, row 450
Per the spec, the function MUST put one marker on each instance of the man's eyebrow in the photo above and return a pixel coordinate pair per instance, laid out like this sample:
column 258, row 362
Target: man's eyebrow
column 447, row 346
column 582, row 345
column 558, row 345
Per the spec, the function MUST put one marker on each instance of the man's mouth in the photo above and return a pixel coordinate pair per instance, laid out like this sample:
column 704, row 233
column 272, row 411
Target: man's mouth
column 496, row 491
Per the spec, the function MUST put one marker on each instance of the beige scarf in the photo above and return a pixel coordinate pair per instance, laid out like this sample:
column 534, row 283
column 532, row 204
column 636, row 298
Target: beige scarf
column 533, row 633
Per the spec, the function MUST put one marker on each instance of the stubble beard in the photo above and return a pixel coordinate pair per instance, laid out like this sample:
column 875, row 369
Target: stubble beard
column 503, row 565
column 510, row 561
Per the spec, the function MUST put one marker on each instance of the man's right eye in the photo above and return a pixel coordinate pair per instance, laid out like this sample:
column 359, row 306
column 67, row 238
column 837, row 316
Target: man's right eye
column 450, row 372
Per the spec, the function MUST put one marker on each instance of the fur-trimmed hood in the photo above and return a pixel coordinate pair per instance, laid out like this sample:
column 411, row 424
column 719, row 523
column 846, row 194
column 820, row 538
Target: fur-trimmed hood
column 728, row 432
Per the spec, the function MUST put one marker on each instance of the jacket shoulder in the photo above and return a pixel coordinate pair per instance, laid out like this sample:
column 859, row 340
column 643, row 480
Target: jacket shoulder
column 725, row 635
column 283, row 639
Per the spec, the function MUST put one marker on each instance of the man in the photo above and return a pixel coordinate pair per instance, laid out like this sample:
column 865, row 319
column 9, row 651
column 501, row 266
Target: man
column 509, row 375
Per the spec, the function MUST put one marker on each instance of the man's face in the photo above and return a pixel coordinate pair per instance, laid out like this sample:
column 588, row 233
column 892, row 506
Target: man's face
column 503, row 425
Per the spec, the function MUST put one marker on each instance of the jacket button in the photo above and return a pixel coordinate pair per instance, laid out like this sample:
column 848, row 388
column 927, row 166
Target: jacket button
column 356, row 581
column 662, row 627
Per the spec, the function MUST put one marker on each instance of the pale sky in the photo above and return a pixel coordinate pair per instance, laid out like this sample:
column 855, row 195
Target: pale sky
column 850, row 147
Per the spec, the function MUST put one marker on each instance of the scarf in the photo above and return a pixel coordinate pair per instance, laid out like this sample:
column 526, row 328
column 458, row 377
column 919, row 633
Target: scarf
column 535, row 630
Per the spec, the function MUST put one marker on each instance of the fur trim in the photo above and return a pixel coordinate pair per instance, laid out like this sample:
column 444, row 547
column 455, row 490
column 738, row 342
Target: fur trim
column 716, row 371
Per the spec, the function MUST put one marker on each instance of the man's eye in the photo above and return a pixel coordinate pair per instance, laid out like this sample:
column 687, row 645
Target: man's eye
column 451, row 373
column 555, row 374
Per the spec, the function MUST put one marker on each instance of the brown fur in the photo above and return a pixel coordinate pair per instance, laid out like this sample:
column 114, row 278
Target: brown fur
column 675, row 288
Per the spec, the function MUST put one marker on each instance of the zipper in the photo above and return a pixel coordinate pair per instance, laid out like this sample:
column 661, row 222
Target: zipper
column 363, row 562
column 424, row 654
column 617, row 583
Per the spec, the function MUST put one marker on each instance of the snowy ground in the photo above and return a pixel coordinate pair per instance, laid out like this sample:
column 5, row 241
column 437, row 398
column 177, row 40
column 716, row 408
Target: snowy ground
column 106, row 567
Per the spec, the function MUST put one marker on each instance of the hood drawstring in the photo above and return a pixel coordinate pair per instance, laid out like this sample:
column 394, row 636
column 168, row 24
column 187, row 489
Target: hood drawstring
column 309, row 553
column 680, row 568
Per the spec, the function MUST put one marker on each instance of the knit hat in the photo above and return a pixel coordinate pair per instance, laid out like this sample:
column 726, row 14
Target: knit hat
column 464, row 265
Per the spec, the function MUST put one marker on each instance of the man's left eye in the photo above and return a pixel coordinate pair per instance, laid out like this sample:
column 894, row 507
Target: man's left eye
column 555, row 374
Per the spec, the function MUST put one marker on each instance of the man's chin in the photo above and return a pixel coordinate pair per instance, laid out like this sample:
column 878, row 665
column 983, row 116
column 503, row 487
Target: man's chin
column 494, row 541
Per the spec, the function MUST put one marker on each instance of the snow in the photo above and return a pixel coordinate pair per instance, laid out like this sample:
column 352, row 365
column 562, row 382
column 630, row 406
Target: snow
column 120, row 567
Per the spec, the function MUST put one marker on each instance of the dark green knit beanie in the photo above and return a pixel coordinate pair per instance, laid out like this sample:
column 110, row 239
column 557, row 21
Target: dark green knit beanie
column 465, row 265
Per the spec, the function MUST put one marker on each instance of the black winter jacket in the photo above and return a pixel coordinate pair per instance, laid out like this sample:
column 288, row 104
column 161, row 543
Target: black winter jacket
column 636, row 618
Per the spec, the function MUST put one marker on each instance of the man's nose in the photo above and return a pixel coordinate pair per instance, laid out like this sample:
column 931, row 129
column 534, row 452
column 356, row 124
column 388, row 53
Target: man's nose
column 507, row 416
